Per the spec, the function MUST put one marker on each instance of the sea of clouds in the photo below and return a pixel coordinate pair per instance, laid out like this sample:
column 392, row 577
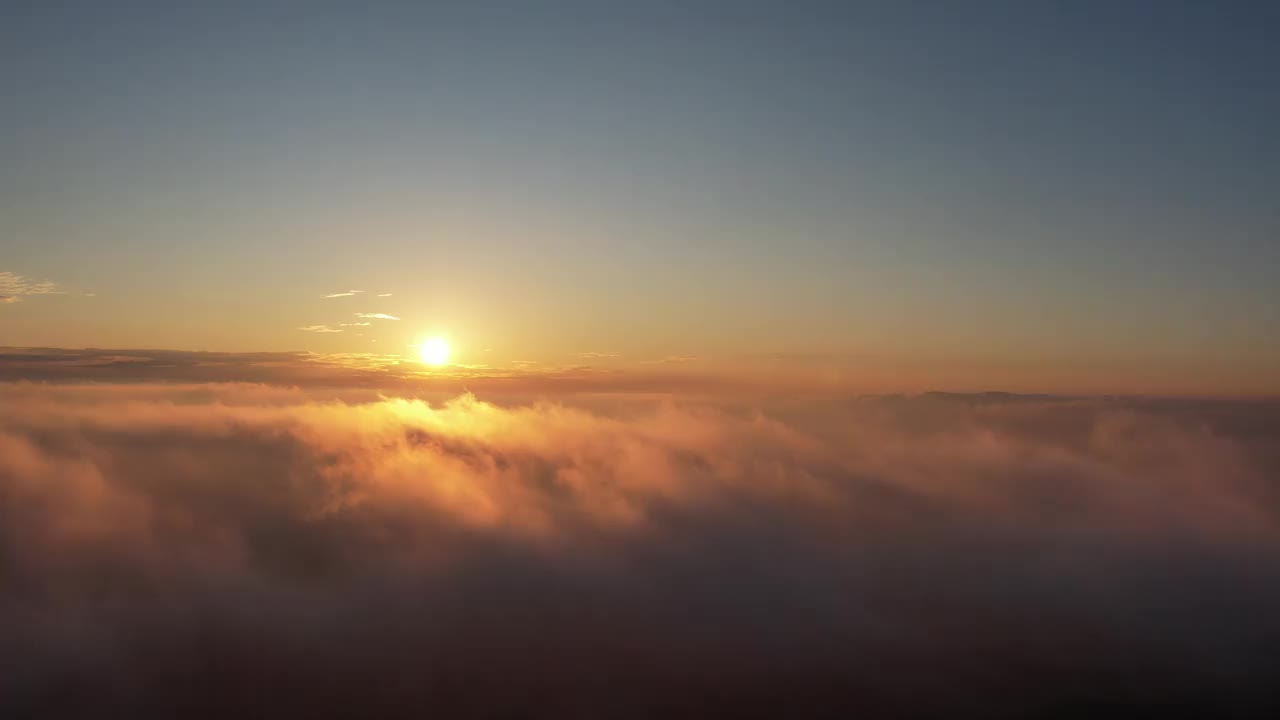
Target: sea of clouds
column 232, row 549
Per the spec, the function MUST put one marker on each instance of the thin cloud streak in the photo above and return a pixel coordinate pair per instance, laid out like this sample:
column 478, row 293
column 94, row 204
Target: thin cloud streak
column 14, row 287
column 377, row 316
column 671, row 360
column 319, row 329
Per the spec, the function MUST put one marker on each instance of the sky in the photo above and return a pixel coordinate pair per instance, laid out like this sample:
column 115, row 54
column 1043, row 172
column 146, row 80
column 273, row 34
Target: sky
column 897, row 195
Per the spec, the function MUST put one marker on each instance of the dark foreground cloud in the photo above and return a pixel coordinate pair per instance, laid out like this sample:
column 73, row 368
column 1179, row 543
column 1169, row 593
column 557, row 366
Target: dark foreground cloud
column 235, row 549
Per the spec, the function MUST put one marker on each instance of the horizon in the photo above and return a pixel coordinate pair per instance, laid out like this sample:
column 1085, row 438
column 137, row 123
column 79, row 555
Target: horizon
column 407, row 374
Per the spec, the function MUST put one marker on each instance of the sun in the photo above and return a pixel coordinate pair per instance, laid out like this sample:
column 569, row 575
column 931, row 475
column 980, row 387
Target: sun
column 434, row 351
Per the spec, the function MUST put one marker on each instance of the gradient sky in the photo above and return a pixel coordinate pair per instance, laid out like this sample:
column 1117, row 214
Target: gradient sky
column 1023, row 194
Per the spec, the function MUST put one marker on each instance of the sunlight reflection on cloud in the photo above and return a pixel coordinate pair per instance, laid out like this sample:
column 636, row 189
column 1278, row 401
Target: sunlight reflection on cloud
column 966, row 540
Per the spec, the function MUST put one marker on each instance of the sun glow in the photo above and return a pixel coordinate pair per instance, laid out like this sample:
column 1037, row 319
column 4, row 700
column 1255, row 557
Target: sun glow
column 434, row 351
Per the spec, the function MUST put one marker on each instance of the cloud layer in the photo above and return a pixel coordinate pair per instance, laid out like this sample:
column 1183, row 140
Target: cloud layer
column 213, row 549
column 389, row 372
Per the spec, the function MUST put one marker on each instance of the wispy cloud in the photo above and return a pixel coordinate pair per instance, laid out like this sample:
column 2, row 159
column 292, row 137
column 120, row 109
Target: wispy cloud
column 320, row 329
column 348, row 293
column 377, row 316
column 599, row 355
column 672, row 360
column 14, row 287
column 384, row 295
column 363, row 324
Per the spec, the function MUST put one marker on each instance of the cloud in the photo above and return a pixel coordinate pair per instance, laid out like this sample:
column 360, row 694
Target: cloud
column 384, row 295
column 320, row 329
column 14, row 287
column 377, row 316
column 388, row 372
column 598, row 355
column 672, row 360
column 362, row 324
column 187, row 546
column 348, row 293
column 178, row 366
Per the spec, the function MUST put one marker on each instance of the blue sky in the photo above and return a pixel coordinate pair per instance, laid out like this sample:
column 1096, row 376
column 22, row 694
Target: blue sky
column 1033, row 182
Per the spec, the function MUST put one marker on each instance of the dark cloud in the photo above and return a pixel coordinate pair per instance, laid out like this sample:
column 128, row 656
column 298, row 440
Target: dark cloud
column 125, row 365
column 389, row 372
column 232, row 549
